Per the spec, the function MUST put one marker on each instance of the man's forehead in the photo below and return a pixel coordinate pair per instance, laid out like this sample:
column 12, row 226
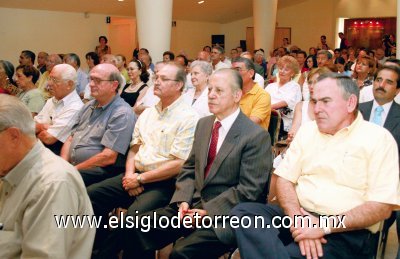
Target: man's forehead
column 167, row 70
column 387, row 73
column 327, row 86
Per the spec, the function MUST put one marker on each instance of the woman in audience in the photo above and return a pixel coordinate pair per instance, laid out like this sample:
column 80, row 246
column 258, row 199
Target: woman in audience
column 137, row 87
column 363, row 76
column 92, row 59
column 197, row 97
column 286, row 93
column 27, row 77
column 7, row 84
column 304, row 110
column 121, row 65
column 102, row 48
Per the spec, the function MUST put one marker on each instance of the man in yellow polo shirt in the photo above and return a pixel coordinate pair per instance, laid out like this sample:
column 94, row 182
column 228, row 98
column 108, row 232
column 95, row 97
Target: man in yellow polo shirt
column 255, row 102
column 338, row 165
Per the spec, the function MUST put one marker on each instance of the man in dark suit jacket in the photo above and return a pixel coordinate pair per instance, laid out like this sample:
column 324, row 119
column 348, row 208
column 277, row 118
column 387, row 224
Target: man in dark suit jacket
column 386, row 87
column 209, row 187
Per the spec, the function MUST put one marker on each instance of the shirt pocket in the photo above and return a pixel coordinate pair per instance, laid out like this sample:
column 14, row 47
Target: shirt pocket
column 352, row 171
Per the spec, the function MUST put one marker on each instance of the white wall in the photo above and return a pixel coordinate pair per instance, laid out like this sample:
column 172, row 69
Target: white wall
column 53, row 32
column 191, row 37
column 234, row 32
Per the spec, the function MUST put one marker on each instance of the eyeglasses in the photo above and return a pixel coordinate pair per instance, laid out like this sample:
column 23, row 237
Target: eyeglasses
column 55, row 80
column 163, row 79
column 98, row 80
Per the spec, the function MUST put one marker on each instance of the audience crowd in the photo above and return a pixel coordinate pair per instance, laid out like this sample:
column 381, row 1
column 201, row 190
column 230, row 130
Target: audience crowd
column 196, row 139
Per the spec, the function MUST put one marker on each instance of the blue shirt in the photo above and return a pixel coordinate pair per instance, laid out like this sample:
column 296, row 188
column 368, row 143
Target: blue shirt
column 110, row 126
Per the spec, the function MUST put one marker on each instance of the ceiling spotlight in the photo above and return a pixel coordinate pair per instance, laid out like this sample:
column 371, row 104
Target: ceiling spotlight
column 200, row 2
column 120, row 0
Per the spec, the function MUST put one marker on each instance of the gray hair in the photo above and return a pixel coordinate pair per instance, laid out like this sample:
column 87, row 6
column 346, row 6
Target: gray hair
column 236, row 83
column 68, row 72
column 116, row 76
column 219, row 48
column 325, row 52
column 248, row 63
column 203, row 65
column 14, row 113
column 345, row 83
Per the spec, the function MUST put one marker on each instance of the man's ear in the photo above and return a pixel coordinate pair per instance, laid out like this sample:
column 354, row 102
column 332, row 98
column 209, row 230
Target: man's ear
column 352, row 103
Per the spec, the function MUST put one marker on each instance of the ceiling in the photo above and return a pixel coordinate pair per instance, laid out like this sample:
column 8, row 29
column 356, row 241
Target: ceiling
column 220, row 11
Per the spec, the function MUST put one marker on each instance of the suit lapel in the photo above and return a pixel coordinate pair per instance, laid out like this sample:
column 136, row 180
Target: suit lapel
column 368, row 110
column 226, row 147
column 393, row 118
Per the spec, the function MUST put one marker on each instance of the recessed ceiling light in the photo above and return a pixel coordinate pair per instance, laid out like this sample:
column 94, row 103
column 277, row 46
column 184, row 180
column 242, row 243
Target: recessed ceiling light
column 200, row 2
column 120, row 0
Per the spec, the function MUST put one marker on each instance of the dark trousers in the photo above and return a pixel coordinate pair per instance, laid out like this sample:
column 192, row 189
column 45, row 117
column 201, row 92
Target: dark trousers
column 109, row 194
column 97, row 175
column 278, row 243
column 197, row 243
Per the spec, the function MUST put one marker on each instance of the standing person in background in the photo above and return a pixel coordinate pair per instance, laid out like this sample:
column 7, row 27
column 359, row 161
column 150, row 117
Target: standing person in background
column 102, row 48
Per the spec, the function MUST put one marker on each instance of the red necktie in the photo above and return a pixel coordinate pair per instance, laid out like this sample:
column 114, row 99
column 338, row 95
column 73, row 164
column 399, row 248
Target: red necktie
column 212, row 151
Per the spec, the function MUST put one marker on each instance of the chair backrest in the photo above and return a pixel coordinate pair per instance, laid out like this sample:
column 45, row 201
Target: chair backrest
column 274, row 126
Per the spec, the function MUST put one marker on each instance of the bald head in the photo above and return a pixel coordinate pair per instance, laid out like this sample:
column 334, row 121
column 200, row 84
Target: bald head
column 109, row 59
column 52, row 60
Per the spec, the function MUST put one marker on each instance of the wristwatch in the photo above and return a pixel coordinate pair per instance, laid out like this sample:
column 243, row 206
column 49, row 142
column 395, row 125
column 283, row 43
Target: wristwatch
column 139, row 179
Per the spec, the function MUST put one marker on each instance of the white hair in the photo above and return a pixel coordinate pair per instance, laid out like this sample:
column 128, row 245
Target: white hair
column 14, row 113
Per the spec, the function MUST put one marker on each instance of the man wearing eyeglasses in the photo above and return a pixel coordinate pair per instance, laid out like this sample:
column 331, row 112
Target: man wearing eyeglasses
column 54, row 120
column 161, row 143
column 103, row 129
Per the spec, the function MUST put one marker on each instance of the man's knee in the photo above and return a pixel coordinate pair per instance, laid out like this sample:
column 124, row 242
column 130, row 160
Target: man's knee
column 179, row 252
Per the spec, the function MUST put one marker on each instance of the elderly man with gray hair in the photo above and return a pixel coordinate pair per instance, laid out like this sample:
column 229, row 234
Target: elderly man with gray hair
column 101, row 135
column 53, row 123
column 37, row 188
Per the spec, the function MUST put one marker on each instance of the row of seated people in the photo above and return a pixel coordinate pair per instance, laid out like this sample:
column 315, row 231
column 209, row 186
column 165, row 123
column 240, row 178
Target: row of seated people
column 101, row 135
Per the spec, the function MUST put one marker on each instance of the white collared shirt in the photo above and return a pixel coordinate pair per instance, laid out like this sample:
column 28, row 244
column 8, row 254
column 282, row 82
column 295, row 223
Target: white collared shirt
column 384, row 114
column 59, row 114
column 226, row 125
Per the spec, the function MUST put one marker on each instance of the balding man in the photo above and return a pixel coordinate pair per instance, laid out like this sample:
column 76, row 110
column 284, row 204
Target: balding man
column 53, row 123
column 41, row 61
column 105, row 59
column 37, row 188
column 229, row 164
column 103, row 128
column 51, row 61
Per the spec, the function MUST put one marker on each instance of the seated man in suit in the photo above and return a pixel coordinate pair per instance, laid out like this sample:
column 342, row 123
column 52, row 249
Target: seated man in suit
column 53, row 121
column 384, row 112
column 229, row 164
column 161, row 143
column 337, row 165
column 103, row 129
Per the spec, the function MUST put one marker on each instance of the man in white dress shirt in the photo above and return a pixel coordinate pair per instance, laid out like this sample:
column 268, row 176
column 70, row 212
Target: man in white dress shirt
column 54, row 121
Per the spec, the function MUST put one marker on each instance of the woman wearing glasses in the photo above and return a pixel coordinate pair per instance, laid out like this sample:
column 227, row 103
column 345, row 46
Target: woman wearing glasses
column 137, row 87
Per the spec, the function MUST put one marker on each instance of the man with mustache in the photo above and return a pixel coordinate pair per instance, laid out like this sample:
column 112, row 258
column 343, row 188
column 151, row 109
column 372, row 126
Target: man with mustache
column 385, row 112
column 339, row 165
